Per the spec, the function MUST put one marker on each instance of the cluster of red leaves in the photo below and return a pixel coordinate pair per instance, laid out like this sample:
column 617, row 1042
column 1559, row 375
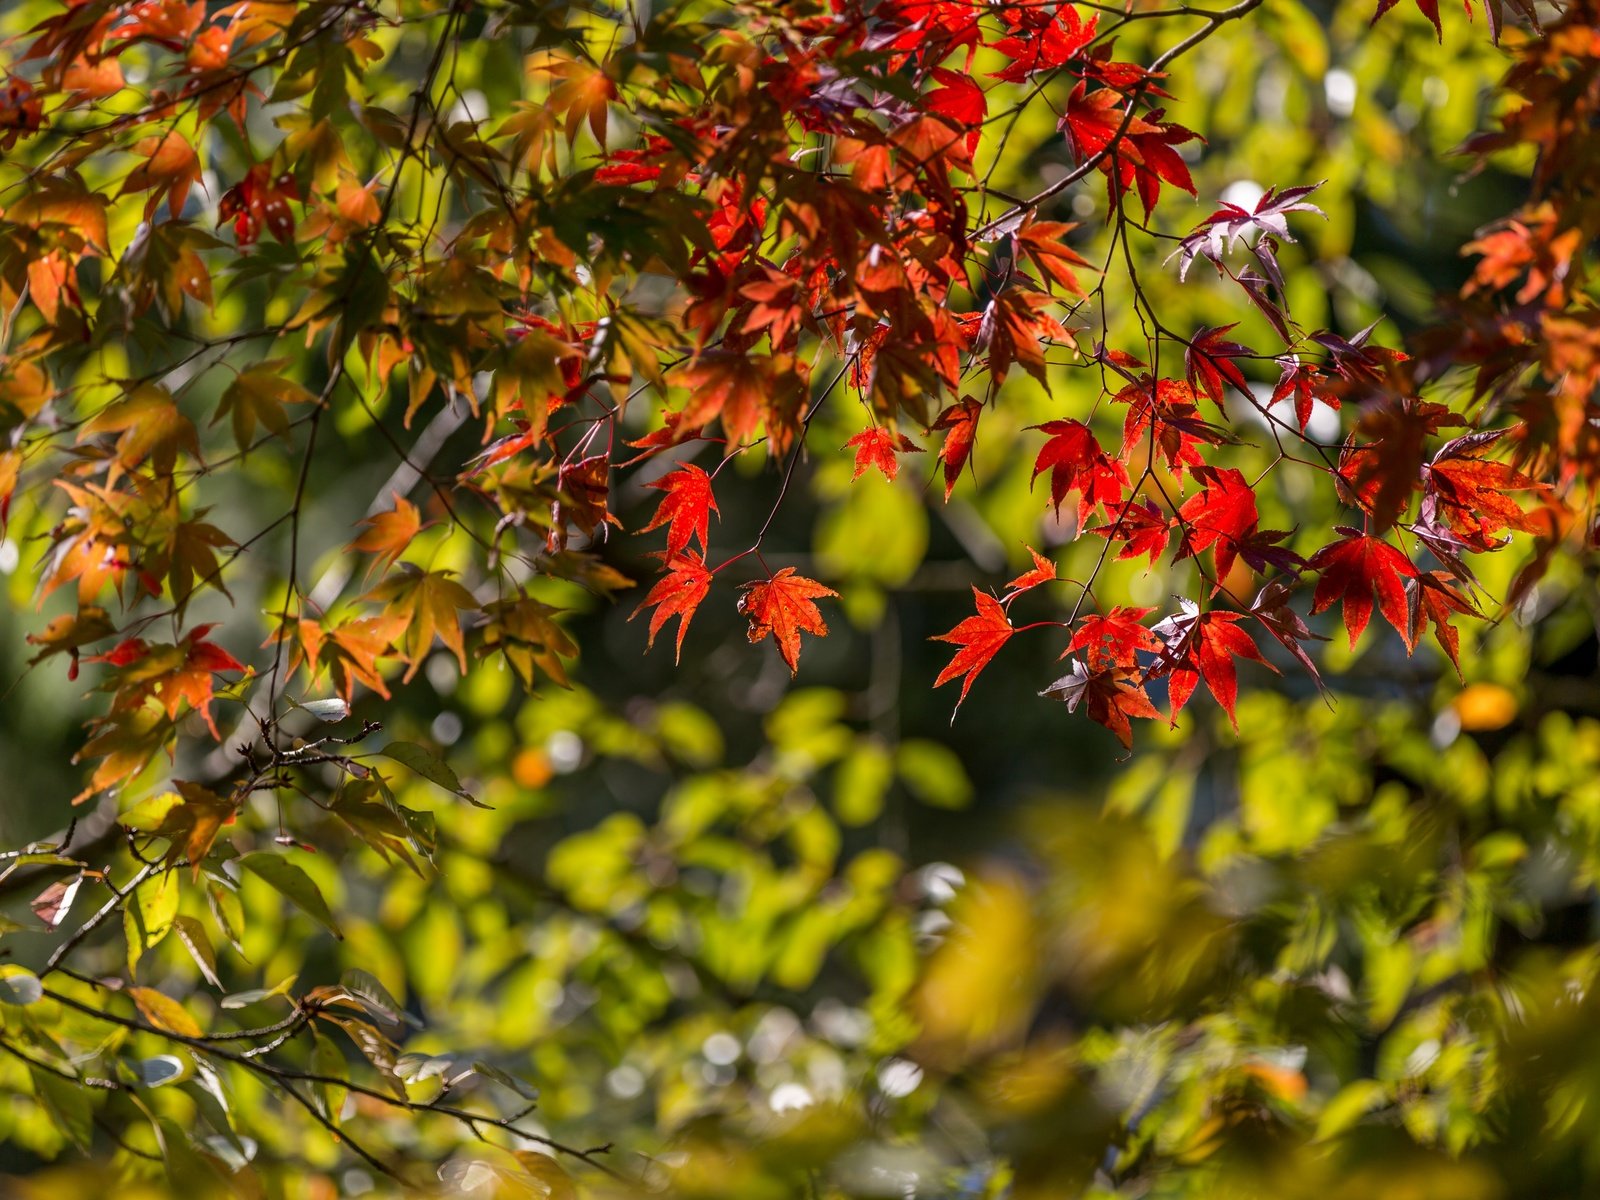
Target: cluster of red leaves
column 776, row 261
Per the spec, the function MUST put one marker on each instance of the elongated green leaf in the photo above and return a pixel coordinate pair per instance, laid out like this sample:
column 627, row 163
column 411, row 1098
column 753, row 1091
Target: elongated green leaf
column 294, row 884
column 425, row 763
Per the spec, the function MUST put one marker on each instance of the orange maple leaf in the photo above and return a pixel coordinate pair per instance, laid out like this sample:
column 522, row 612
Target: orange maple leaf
column 980, row 638
column 782, row 606
column 877, row 447
column 685, row 509
column 678, row 593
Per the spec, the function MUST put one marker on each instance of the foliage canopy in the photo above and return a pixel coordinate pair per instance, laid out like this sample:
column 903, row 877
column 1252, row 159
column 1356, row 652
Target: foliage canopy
column 359, row 356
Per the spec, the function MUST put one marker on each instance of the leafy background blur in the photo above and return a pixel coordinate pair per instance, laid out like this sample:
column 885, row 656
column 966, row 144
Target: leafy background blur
column 770, row 939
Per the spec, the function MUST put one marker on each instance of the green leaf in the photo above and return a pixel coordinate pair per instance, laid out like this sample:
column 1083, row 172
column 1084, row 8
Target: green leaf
column 149, row 918
column 227, row 911
column 861, row 783
column 366, row 988
column 425, row 763
column 294, row 884
column 507, row 1080
column 157, row 1071
column 193, row 936
column 68, row 1104
column 19, row 986
column 933, row 773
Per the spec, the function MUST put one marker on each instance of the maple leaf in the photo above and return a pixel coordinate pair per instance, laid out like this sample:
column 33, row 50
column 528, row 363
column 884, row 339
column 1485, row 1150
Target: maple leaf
column 352, row 649
column 678, row 593
column 960, row 421
column 685, row 509
column 1040, row 242
column 877, row 447
column 1015, row 329
column 1167, row 416
column 1305, row 384
column 174, row 674
column 1138, row 151
column 961, row 102
column 1113, row 639
column 1139, row 523
column 388, row 534
column 169, row 169
column 1043, row 571
column 1352, row 571
column 1064, row 36
column 257, row 396
column 1431, row 599
column 980, row 638
column 1203, row 646
column 1271, row 608
column 1076, row 463
column 525, row 632
column 1208, row 361
column 744, row 391
column 425, row 604
column 1472, row 493
column 1223, row 516
column 1225, row 228
column 783, row 606
column 260, row 201
column 583, row 492
column 1110, row 696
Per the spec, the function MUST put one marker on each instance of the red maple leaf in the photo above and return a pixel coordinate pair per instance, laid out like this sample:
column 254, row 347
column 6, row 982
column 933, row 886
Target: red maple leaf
column 960, row 421
column 260, row 201
column 1430, row 598
column 1203, row 646
column 1015, row 329
column 1306, row 384
column 1043, row 571
column 1076, row 463
column 678, row 593
column 1208, row 362
column 1109, row 695
column 1138, row 150
column 1223, row 516
column 1063, row 37
column 1471, row 492
column 877, row 447
column 1039, row 242
column 1352, row 571
column 1167, row 418
column 685, row 509
column 1141, row 525
column 173, row 674
column 783, row 606
column 1113, row 639
column 980, row 638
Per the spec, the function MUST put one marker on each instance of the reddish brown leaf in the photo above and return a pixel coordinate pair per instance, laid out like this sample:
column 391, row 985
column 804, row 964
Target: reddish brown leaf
column 1109, row 695
column 1431, row 599
column 1202, row 646
column 960, row 421
column 1076, row 463
column 783, row 606
column 1352, row 571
